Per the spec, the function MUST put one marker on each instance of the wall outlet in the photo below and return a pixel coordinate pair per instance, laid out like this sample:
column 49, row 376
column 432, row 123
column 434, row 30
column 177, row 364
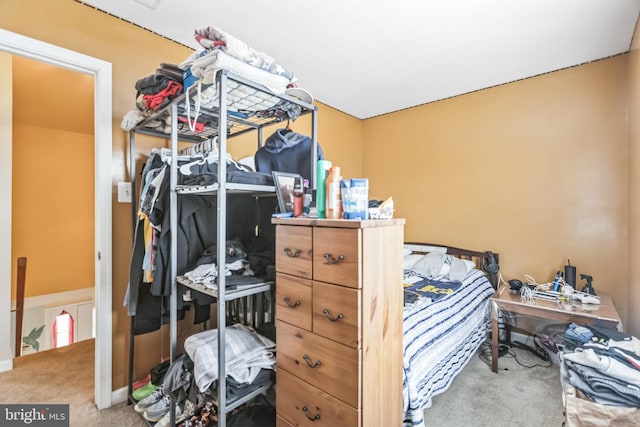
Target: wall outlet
column 124, row 192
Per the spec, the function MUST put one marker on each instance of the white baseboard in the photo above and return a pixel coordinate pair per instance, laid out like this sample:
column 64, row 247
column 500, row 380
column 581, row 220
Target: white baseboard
column 57, row 298
column 118, row 396
column 6, row 365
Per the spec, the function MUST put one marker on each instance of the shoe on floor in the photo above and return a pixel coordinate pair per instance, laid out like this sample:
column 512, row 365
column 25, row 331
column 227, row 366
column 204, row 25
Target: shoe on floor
column 144, row 391
column 150, row 400
column 183, row 412
column 158, row 410
column 141, row 383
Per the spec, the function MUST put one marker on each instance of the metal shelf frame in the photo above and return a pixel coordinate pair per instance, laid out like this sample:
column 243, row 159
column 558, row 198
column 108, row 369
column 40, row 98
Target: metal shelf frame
column 241, row 125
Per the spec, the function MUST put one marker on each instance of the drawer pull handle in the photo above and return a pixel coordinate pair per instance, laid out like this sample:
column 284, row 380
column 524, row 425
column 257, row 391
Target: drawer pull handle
column 310, row 363
column 335, row 319
column 312, row 417
column 288, row 301
column 331, row 260
column 290, row 253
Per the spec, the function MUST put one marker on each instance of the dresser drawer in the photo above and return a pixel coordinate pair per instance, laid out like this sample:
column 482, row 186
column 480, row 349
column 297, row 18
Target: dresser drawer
column 336, row 256
column 293, row 300
column 328, row 365
column 335, row 313
column 293, row 250
column 281, row 422
column 304, row 405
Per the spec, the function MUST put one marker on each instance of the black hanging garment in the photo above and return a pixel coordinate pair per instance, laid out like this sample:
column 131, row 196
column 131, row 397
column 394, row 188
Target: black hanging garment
column 287, row 151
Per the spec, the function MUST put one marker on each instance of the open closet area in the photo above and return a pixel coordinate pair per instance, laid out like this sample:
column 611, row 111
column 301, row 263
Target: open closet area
column 203, row 240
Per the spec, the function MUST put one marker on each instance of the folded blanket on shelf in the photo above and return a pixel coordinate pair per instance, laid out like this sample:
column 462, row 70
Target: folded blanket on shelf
column 214, row 38
column 246, row 352
column 205, row 67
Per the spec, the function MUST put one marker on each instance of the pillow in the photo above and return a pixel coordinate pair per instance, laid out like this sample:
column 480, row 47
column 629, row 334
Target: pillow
column 441, row 265
column 410, row 260
column 470, row 264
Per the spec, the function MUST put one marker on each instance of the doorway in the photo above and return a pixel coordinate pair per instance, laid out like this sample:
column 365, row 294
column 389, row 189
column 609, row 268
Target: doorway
column 15, row 44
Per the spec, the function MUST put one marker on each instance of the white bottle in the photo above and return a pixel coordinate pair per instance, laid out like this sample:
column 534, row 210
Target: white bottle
column 334, row 200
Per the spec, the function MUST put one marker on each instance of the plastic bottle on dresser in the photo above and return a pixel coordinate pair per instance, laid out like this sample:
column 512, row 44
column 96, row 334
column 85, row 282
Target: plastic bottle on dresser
column 321, row 182
column 298, row 197
column 333, row 204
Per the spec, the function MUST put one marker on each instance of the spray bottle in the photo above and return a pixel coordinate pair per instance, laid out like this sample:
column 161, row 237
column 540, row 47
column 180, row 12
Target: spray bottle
column 557, row 281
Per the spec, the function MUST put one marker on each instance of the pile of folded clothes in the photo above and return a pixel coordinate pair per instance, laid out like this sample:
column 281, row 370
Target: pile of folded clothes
column 154, row 92
column 196, row 76
column 602, row 364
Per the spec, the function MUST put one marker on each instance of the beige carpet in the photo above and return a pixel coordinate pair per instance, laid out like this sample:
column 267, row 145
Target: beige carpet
column 518, row 396
column 63, row 376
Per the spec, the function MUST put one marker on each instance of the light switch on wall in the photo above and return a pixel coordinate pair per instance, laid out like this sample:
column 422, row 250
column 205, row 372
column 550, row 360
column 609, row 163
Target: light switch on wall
column 124, row 192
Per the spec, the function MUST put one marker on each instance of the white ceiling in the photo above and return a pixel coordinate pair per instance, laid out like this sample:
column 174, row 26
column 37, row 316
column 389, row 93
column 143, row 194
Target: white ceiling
column 371, row 57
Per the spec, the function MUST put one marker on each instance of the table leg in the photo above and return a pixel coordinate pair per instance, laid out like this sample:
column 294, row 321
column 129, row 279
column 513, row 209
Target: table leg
column 494, row 338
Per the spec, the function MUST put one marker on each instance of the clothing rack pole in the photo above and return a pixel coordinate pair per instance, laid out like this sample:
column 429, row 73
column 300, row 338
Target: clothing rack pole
column 221, row 255
column 173, row 224
column 132, row 177
column 314, row 151
column 134, row 218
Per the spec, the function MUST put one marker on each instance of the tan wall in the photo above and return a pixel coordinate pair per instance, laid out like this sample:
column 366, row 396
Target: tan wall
column 135, row 53
column 633, row 318
column 53, row 228
column 53, row 177
column 535, row 170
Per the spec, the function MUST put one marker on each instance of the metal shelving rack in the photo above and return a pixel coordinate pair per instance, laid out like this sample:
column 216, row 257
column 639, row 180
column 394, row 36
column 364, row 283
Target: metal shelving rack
column 240, row 125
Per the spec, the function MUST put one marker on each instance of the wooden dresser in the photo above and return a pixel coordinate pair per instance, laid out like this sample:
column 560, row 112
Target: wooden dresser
column 339, row 322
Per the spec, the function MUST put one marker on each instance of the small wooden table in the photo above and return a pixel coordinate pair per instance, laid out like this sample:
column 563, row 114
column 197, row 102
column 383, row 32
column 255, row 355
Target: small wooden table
column 583, row 314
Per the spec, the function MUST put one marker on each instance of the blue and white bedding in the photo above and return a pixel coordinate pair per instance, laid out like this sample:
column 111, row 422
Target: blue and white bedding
column 439, row 338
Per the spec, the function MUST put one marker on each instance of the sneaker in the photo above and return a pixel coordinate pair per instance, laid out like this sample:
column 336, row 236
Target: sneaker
column 141, row 382
column 158, row 410
column 144, row 391
column 148, row 401
column 183, row 412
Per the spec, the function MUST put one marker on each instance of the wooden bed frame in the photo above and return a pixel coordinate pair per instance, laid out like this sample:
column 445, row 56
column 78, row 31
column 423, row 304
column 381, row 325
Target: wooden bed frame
column 487, row 261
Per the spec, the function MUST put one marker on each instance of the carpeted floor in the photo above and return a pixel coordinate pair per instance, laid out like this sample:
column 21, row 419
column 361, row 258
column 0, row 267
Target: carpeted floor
column 64, row 376
column 517, row 396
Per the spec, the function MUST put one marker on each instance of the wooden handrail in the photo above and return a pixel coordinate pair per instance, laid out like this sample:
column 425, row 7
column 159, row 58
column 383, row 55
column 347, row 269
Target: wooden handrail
column 21, row 280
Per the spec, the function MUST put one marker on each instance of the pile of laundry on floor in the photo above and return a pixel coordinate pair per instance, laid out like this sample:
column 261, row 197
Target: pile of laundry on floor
column 600, row 371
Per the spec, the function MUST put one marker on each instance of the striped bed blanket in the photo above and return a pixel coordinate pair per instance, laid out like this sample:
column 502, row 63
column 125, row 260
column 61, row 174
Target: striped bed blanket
column 439, row 338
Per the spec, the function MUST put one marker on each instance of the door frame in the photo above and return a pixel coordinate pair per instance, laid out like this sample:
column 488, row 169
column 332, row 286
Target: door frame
column 102, row 76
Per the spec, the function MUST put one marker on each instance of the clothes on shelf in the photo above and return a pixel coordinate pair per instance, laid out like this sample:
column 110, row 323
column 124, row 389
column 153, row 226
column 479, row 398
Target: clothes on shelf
column 212, row 38
column 185, row 231
column 150, row 281
column 191, row 380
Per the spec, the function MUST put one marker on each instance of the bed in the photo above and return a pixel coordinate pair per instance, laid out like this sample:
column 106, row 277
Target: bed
column 446, row 317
